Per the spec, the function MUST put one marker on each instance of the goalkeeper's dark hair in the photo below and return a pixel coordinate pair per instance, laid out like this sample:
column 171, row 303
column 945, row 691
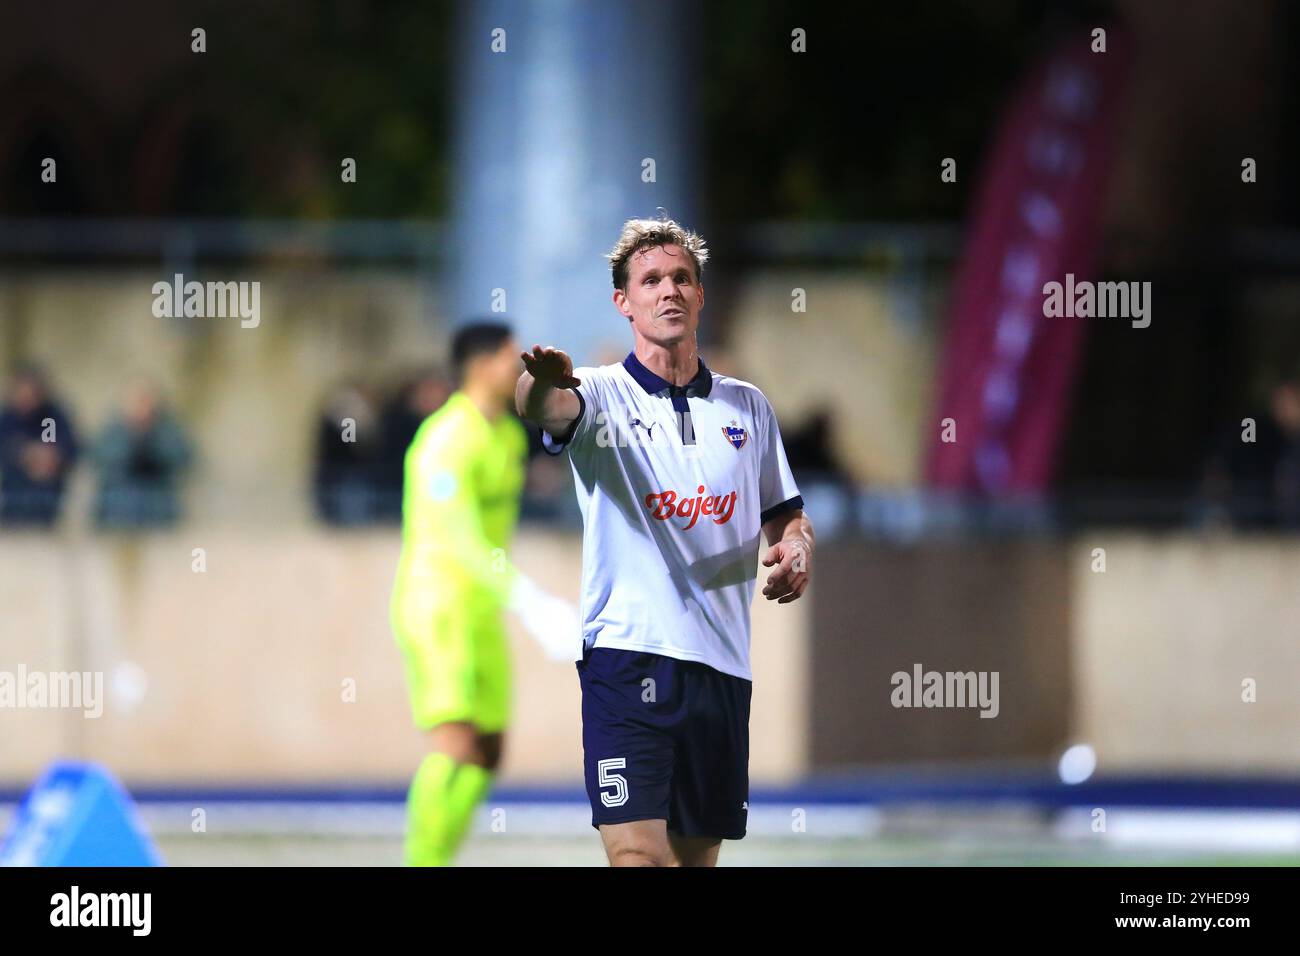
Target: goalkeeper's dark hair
column 477, row 338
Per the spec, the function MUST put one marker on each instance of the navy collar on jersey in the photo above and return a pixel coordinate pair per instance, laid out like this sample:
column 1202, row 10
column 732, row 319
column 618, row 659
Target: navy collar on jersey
column 700, row 385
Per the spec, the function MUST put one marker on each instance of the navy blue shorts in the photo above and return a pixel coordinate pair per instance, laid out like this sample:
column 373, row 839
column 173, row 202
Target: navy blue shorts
column 665, row 739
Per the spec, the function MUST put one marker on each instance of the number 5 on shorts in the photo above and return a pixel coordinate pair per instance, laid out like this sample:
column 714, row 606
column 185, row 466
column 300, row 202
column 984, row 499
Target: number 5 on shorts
column 615, row 780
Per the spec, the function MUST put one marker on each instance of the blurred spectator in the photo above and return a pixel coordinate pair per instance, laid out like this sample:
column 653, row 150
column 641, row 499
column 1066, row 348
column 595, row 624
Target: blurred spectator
column 827, row 488
column 141, row 455
column 349, row 449
column 419, row 398
column 810, row 451
column 1256, row 484
column 37, row 450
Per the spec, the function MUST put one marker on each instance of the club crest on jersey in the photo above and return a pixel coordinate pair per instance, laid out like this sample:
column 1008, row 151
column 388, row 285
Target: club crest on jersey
column 736, row 435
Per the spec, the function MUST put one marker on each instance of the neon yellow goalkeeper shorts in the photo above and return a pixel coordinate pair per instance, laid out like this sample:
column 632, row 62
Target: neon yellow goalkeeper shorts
column 458, row 669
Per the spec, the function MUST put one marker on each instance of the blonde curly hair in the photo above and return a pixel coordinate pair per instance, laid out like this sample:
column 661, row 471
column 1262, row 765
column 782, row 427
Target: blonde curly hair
column 641, row 234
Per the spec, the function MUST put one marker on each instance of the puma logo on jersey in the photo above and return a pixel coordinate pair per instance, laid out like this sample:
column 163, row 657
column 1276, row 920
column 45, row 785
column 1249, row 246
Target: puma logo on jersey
column 649, row 429
column 667, row 504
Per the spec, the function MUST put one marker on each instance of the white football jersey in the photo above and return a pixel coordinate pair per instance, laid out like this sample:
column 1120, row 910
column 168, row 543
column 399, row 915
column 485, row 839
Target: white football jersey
column 674, row 484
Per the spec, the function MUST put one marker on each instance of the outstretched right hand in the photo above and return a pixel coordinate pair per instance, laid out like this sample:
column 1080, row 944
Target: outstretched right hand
column 550, row 367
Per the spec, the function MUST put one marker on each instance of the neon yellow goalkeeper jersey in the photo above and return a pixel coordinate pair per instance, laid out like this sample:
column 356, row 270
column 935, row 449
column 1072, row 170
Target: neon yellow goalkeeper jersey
column 460, row 503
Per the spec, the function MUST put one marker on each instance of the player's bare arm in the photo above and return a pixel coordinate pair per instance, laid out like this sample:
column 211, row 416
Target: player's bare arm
column 544, row 394
column 790, row 536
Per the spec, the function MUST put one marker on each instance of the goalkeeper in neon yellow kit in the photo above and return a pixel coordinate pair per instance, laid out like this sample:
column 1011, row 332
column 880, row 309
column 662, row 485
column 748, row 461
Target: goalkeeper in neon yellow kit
column 464, row 475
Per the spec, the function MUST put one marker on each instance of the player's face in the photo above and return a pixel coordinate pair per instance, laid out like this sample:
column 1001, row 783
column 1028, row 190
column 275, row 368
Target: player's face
column 663, row 295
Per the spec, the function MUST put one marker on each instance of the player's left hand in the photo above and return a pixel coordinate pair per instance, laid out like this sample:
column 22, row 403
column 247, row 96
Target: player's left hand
column 790, row 579
column 551, row 621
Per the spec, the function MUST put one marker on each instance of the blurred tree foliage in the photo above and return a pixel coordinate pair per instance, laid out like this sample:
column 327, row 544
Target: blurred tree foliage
column 309, row 84
column 853, row 129
column 856, row 127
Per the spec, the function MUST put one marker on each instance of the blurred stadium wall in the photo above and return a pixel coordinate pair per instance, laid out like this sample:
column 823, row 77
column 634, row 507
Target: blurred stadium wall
column 257, row 392
column 239, row 673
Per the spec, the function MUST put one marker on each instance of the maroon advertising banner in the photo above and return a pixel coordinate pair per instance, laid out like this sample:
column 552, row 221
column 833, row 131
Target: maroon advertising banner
column 1007, row 369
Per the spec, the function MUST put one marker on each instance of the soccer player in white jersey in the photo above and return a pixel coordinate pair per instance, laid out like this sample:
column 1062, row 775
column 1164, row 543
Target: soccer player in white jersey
column 677, row 471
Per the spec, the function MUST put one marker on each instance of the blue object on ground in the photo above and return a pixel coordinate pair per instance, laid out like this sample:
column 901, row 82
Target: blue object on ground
column 77, row 814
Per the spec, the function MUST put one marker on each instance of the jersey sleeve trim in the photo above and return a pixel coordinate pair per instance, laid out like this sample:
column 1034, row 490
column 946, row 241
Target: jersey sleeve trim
column 554, row 446
column 790, row 504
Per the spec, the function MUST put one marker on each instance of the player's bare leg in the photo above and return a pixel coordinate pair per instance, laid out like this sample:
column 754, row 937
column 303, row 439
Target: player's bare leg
column 640, row 843
column 457, row 740
column 694, row 851
column 490, row 748
column 463, row 743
